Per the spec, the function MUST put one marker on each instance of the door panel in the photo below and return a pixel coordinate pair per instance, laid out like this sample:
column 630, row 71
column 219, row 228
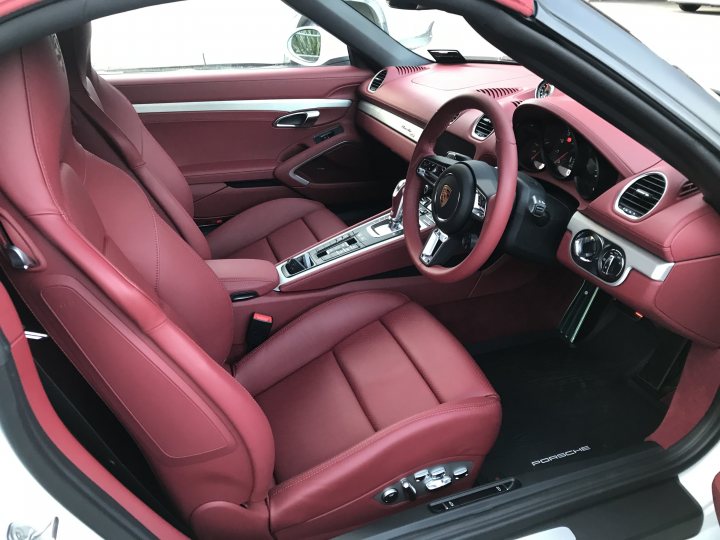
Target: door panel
column 220, row 129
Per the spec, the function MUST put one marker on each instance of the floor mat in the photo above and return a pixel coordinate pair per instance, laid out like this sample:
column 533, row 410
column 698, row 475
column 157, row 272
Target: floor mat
column 563, row 404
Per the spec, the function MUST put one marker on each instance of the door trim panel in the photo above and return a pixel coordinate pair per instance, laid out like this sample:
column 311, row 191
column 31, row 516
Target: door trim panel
column 280, row 105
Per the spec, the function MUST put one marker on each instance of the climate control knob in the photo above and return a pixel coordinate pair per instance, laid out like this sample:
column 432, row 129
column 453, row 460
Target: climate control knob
column 611, row 264
column 587, row 246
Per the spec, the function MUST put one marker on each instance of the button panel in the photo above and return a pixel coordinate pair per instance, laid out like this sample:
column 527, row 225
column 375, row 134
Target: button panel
column 424, row 482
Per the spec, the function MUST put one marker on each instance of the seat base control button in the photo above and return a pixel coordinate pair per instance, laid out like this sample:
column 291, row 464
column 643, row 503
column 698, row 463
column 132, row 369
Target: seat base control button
column 460, row 472
column 390, row 495
column 409, row 489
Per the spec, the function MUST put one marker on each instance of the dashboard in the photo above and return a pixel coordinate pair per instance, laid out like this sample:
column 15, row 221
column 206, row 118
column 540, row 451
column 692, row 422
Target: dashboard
column 549, row 148
column 637, row 227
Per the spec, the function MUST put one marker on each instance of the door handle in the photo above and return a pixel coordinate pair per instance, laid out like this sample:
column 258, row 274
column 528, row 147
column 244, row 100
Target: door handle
column 301, row 119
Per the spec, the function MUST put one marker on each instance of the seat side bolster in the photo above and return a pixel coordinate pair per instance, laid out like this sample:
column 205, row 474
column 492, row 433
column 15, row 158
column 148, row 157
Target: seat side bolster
column 339, row 493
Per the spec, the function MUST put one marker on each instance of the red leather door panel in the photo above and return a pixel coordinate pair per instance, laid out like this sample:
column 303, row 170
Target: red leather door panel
column 232, row 155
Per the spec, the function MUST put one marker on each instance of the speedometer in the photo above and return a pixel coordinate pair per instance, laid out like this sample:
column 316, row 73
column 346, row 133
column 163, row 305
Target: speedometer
column 560, row 149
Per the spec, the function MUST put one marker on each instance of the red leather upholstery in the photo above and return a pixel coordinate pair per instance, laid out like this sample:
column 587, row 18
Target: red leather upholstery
column 245, row 275
column 353, row 395
column 359, row 392
column 273, row 231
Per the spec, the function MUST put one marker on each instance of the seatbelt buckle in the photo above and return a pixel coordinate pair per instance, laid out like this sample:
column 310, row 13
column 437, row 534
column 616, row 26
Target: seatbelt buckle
column 258, row 330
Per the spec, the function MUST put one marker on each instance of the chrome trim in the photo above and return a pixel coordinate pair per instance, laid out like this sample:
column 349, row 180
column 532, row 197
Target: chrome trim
column 436, row 239
column 35, row 336
column 391, row 120
column 329, row 264
column 472, row 131
column 635, row 257
column 375, row 77
column 551, row 89
column 309, row 119
column 280, row 105
column 616, row 206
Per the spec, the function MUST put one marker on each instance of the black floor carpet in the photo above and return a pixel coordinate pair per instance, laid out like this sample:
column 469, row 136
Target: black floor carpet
column 558, row 398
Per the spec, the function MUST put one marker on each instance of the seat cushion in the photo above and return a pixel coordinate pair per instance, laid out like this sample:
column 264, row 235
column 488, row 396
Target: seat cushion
column 274, row 230
column 367, row 385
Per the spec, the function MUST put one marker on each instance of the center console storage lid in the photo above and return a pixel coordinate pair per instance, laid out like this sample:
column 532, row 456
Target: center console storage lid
column 245, row 275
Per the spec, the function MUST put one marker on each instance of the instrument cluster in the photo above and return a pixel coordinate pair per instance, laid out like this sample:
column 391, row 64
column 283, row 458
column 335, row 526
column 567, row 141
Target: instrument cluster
column 553, row 147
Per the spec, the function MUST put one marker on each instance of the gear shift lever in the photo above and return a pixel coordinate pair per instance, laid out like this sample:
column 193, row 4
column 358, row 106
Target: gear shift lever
column 396, row 210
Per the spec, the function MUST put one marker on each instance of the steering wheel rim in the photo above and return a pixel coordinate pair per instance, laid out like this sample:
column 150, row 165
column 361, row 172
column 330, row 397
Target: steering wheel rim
column 499, row 205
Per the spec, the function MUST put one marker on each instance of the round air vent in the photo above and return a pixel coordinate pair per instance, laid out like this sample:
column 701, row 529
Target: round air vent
column 641, row 195
column 377, row 80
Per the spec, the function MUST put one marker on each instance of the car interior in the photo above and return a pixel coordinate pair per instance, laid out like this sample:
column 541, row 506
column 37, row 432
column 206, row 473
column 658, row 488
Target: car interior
column 415, row 288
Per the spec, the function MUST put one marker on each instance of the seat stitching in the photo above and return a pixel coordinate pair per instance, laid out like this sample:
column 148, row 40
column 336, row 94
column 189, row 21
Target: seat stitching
column 307, row 226
column 299, row 319
column 272, row 249
column 491, row 402
column 331, row 349
column 409, row 357
column 353, row 390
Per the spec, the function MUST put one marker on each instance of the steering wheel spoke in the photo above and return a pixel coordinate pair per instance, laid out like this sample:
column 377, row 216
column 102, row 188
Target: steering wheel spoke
column 439, row 248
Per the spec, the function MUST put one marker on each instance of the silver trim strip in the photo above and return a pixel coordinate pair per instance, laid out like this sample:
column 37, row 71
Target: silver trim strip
column 630, row 183
column 635, row 257
column 391, row 120
column 280, row 105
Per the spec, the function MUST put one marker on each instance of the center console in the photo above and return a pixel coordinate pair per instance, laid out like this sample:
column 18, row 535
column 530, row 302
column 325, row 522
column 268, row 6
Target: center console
column 355, row 242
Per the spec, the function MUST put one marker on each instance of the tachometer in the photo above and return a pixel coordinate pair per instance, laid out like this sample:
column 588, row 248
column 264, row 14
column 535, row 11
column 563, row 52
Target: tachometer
column 560, row 150
column 531, row 155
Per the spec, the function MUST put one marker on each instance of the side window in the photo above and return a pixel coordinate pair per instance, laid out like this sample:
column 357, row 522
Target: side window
column 211, row 35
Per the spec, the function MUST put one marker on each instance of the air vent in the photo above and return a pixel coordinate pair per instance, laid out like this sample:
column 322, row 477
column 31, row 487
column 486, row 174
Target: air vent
column 407, row 70
column 498, row 93
column 377, row 80
column 517, row 103
column 641, row 195
column 483, row 128
column 688, row 188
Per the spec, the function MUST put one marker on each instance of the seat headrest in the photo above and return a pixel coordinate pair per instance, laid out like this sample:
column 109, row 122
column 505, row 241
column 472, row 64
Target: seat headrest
column 35, row 129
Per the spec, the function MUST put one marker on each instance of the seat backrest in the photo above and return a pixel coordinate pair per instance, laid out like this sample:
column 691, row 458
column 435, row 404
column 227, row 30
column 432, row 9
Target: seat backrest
column 137, row 311
column 114, row 117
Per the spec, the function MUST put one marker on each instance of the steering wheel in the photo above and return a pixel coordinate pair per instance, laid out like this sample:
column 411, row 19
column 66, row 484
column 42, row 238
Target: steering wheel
column 465, row 195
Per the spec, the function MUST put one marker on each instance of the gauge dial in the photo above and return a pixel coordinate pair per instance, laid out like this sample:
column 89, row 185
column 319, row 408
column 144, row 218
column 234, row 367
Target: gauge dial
column 544, row 89
column 588, row 179
column 531, row 155
column 560, row 150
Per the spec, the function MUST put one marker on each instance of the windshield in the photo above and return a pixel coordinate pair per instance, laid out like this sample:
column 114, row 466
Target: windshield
column 686, row 35
column 425, row 30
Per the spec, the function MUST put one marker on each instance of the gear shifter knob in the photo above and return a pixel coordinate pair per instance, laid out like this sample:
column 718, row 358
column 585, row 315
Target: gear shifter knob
column 397, row 200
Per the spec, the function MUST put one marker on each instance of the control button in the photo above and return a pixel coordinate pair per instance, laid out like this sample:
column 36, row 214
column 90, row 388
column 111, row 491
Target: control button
column 460, row 472
column 611, row 264
column 537, row 206
column 390, row 495
column 431, row 484
column 586, row 246
column 437, row 472
column 409, row 489
column 420, row 475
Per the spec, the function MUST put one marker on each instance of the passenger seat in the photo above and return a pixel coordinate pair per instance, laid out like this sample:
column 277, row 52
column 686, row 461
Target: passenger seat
column 106, row 124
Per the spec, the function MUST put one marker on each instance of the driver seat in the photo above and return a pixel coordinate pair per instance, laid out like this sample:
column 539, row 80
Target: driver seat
column 316, row 423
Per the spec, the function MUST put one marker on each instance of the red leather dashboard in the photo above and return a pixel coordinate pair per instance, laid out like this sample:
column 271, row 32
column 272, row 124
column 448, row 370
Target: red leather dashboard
column 681, row 233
